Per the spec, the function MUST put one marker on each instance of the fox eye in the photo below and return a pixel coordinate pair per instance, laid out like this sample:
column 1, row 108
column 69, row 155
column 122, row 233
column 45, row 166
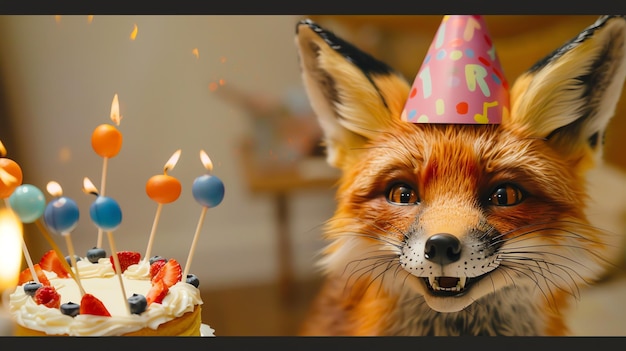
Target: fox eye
column 506, row 195
column 402, row 194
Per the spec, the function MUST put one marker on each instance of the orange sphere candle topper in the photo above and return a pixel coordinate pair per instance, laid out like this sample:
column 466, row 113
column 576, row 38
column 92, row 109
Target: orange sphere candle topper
column 163, row 189
column 10, row 174
column 106, row 141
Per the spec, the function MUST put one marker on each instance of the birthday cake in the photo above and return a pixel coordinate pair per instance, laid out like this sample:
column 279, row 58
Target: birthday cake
column 157, row 301
column 119, row 293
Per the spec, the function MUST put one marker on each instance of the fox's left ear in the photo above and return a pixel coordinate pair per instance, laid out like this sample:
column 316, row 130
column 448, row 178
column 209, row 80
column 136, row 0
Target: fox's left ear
column 570, row 96
column 354, row 95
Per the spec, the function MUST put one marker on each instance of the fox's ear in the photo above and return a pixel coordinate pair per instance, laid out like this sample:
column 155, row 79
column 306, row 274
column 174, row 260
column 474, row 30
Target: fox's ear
column 353, row 95
column 569, row 96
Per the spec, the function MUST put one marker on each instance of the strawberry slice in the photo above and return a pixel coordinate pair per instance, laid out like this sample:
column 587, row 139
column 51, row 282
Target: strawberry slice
column 26, row 276
column 51, row 262
column 156, row 267
column 157, row 292
column 127, row 258
column 170, row 273
column 48, row 296
column 90, row 304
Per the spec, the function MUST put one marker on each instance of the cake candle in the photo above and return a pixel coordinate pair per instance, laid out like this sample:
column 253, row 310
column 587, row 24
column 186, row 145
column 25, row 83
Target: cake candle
column 29, row 203
column 208, row 191
column 61, row 216
column 163, row 189
column 106, row 141
column 106, row 214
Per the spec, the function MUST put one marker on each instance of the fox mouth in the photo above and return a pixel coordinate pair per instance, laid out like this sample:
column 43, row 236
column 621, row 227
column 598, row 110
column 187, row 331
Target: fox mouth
column 449, row 286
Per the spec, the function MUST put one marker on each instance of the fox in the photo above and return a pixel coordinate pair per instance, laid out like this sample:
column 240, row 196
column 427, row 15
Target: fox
column 460, row 229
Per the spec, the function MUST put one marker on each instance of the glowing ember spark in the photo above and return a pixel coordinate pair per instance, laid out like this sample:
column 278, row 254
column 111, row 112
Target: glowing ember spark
column 195, row 52
column 89, row 18
column 133, row 34
column 115, row 111
column 88, row 187
column 212, row 86
column 222, row 81
column 206, row 161
column 54, row 189
column 3, row 150
column 169, row 165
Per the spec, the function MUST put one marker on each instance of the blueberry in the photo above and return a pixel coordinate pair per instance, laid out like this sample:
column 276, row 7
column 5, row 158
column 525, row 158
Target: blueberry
column 193, row 280
column 137, row 303
column 31, row 288
column 96, row 253
column 69, row 259
column 70, row 308
column 156, row 258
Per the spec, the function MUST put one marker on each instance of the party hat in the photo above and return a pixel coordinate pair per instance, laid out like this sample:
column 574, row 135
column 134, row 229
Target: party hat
column 460, row 81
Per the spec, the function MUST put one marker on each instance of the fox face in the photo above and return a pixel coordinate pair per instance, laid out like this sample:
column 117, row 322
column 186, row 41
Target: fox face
column 449, row 229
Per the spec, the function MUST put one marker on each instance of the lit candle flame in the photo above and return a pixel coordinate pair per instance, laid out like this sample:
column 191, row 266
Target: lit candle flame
column 54, row 188
column 133, row 34
column 7, row 178
column 206, row 161
column 171, row 163
column 88, row 187
column 3, row 150
column 115, row 111
column 11, row 249
column 195, row 52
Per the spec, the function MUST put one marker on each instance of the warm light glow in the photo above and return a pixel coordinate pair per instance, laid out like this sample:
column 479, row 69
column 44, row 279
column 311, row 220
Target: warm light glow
column 11, row 249
column 195, row 52
column 169, row 165
column 65, row 154
column 133, row 35
column 212, row 86
column 88, row 187
column 54, row 188
column 222, row 81
column 57, row 18
column 206, row 161
column 115, row 111
column 3, row 150
column 222, row 59
column 89, row 18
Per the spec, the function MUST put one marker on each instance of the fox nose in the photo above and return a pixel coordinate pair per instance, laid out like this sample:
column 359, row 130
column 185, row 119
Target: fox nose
column 442, row 248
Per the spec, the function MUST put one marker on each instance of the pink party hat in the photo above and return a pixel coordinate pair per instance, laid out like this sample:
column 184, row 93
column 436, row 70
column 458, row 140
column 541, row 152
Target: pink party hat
column 460, row 81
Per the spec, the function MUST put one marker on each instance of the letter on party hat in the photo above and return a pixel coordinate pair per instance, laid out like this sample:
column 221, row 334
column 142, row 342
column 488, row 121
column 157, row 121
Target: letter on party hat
column 460, row 81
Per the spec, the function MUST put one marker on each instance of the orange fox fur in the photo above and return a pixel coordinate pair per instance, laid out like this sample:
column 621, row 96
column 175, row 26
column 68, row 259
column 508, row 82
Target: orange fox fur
column 445, row 229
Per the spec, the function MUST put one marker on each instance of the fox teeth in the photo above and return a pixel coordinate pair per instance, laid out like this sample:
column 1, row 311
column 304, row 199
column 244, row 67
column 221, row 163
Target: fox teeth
column 460, row 284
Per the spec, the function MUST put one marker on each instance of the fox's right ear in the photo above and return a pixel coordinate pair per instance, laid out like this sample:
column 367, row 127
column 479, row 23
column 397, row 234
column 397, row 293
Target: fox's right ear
column 353, row 95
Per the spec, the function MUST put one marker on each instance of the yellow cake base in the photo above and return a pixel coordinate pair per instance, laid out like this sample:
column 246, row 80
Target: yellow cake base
column 186, row 325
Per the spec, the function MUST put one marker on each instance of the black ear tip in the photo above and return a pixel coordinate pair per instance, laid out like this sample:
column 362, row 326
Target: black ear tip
column 308, row 22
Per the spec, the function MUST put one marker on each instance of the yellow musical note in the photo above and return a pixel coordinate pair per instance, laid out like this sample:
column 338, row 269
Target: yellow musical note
column 482, row 118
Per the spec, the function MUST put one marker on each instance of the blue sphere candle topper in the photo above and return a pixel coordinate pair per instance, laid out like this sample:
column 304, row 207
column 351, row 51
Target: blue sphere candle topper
column 106, row 214
column 208, row 191
column 61, row 217
column 61, row 214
